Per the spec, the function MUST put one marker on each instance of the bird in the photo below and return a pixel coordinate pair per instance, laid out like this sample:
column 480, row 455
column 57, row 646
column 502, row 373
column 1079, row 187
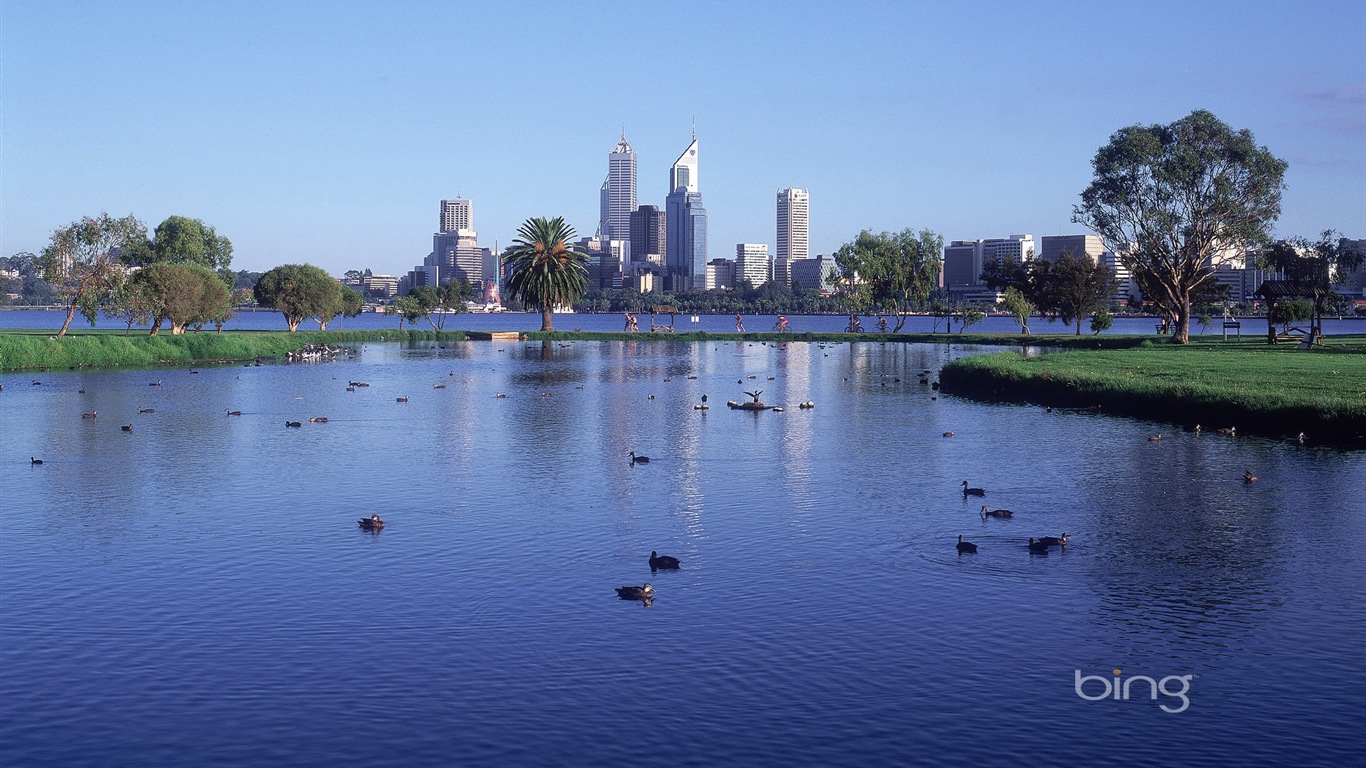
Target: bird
column 147, row 410
column 81, row 391
column 438, row 386
column 1154, row 438
column 126, row 427
column 636, row 593
column 999, row 513
column 658, row 561
column 318, row 420
column 1248, row 477
column 156, row 383
column 32, row 460
column 1197, row 429
column 1037, row 547
column 948, row 434
column 229, row 411
column 1230, row 431
column 1055, row 541
column 966, row 547
column 371, row 523
column 639, row 459
column 972, row 491
column 37, row 383
column 293, row 424
column 500, row 394
column 91, row 415
column 403, row 399
column 350, row 389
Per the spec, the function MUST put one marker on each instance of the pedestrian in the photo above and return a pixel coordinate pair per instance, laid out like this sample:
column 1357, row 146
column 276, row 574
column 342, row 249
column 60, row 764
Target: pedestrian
column 739, row 324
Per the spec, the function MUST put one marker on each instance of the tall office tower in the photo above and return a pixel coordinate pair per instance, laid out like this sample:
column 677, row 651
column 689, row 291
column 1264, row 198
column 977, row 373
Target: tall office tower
column 1052, row 247
column 621, row 190
column 649, row 234
column 1017, row 248
column 685, row 225
column 793, row 238
column 751, row 263
column 962, row 263
column 456, row 214
column 604, row 206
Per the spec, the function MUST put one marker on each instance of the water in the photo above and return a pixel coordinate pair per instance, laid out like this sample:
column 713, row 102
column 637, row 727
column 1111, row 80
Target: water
column 531, row 321
column 197, row 592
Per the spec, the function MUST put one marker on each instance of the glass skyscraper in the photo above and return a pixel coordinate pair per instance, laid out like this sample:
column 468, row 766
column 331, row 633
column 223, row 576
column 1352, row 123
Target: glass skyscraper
column 686, row 224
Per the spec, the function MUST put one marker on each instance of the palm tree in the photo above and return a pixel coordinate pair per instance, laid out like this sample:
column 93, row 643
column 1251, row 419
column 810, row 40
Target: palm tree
column 545, row 269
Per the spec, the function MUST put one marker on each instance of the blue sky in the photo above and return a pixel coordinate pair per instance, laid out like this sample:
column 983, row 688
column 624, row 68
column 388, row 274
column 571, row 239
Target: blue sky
column 327, row 132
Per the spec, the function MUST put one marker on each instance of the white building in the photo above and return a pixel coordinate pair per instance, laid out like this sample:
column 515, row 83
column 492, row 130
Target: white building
column 814, row 274
column 720, row 275
column 1052, row 247
column 752, row 264
column 621, row 191
column 793, row 235
column 456, row 214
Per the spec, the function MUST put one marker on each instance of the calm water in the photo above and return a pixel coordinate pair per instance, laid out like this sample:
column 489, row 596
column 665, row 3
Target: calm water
column 197, row 592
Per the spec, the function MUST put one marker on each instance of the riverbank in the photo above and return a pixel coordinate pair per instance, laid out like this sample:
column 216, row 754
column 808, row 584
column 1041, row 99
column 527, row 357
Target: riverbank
column 1261, row 389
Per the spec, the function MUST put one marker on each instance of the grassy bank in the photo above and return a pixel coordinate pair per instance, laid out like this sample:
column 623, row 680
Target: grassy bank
column 24, row 350
column 1260, row 389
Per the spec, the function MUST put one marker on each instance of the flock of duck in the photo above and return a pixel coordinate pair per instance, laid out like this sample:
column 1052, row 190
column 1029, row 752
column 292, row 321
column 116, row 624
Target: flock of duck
column 1036, row 546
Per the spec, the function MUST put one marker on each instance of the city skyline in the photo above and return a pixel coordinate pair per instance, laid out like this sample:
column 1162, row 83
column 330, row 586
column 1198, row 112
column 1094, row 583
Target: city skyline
column 265, row 120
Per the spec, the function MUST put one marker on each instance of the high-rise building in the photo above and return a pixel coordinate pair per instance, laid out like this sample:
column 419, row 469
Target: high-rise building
column 685, row 224
column 720, row 275
column 1017, row 248
column 752, row 264
column 621, row 190
column 793, row 237
column 814, row 274
column 455, row 215
column 962, row 263
column 649, row 234
column 1052, row 247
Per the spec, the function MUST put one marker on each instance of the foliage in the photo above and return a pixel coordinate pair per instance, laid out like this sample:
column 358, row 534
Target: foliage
column 1287, row 313
column 183, row 240
column 1170, row 198
column 408, row 308
column 1321, row 264
column 81, row 262
column 300, row 291
column 351, row 302
column 1073, row 287
column 442, row 301
column 545, row 269
column 890, row 273
column 1101, row 320
column 1014, row 302
column 969, row 315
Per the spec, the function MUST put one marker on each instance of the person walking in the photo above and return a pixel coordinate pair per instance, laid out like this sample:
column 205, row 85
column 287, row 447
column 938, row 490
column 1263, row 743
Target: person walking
column 739, row 324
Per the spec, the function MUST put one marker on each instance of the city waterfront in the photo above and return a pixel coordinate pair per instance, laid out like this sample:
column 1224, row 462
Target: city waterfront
column 196, row 590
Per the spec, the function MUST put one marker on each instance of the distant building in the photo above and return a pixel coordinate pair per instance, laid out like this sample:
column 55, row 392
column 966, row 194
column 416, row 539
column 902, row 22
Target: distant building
column 963, row 264
column 649, row 235
column 685, row 224
column 965, row 260
column 814, row 274
column 752, row 264
column 379, row 286
column 456, row 214
column 793, row 235
column 720, row 275
column 1052, row 247
column 621, row 191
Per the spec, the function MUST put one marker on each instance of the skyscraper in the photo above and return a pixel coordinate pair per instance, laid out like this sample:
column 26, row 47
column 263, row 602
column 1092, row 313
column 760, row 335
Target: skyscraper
column 649, row 234
column 793, row 237
column 456, row 214
column 621, row 190
column 686, row 224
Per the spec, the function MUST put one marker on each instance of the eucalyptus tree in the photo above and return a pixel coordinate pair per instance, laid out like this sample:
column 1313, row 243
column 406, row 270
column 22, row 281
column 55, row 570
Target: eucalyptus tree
column 545, row 269
column 1172, row 199
column 81, row 262
column 890, row 272
column 1021, row 308
column 299, row 291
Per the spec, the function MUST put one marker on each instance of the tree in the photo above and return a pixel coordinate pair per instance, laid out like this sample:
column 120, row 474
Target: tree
column 351, row 302
column 81, row 262
column 442, row 300
column 545, row 268
column 969, row 315
column 1014, row 302
column 185, row 294
column 1101, row 320
column 1169, row 199
column 1072, row 288
column 408, row 308
column 1316, row 265
column 299, row 291
column 890, row 272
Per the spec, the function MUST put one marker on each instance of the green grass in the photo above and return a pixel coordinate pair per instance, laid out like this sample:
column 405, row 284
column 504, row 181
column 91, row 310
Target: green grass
column 1256, row 387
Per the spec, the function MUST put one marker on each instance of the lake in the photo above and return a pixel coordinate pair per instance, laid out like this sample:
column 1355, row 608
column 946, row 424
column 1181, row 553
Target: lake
column 196, row 591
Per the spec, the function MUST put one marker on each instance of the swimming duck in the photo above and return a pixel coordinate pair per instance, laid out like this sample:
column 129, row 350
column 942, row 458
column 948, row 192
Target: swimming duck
column 318, row 420
column 403, row 399
column 500, row 394
column 91, row 415
column 658, row 561
column 438, row 386
column 32, row 460
column 949, row 434
column 1037, row 547
column 293, row 424
column 1154, row 438
column 636, row 593
column 126, row 427
column 228, row 411
column 147, row 410
column 966, row 547
column 995, row 512
column 1248, row 477
column 972, row 491
column 1055, row 541
column 371, row 523
column 1230, row 431
column 639, row 459
column 156, row 383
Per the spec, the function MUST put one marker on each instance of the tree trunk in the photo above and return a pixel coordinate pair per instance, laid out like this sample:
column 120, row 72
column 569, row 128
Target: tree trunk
column 1270, row 326
column 1183, row 321
column 177, row 328
column 70, row 313
column 547, row 320
column 1078, row 326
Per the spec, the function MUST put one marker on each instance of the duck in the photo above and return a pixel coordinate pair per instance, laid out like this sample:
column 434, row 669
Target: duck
column 1248, row 477
column 126, row 427
column 1055, row 541
column 972, row 491
column 228, row 411
column 500, row 394
column 318, row 420
column 658, row 561
column 438, row 386
column 371, row 523
column 147, row 410
column 403, row 399
column 998, row 513
column 156, row 383
column 636, row 593
column 1154, row 438
column 639, row 459
column 293, row 424
column 91, row 415
column 948, row 434
column 966, row 547
column 350, row 389
column 1038, row 547
column 33, row 460
column 1230, row 431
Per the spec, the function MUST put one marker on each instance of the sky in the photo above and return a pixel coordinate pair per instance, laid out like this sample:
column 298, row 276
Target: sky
column 328, row 132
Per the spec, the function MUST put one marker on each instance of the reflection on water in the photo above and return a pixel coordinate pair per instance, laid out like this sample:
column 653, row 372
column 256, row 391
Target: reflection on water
column 207, row 569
